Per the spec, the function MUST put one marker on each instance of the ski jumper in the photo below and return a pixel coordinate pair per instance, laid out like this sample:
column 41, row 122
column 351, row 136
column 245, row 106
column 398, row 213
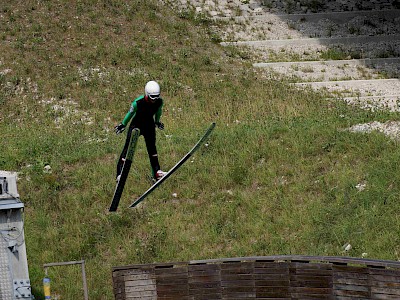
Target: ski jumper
column 144, row 115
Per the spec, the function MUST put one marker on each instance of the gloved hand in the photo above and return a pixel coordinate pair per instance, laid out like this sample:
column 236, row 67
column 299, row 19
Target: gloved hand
column 160, row 125
column 119, row 128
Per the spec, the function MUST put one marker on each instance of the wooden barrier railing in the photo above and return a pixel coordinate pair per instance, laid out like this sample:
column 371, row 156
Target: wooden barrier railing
column 265, row 277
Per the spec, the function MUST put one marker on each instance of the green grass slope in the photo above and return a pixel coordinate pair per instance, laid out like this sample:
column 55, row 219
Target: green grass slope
column 279, row 176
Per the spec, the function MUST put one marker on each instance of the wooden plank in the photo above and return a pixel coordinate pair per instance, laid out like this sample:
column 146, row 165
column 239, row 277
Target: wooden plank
column 238, row 295
column 247, row 289
column 351, row 293
column 209, row 273
column 233, row 283
column 270, row 265
column 144, row 288
column 204, row 285
column 385, row 272
column 171, row 278
column 143, row 282
column 314, row 272
column 204, row 273
column 173, row 288
column 137, row 298
column 203, row 278
column 310, row 297
column 139, row 277
column 177, row 294
column 310, row 291
column 310, row 266
column 206, row 290
column 311, row 283
column 351, row 281
column 344, row 275
column 351, row 298
column 237, row 277
column 259, row 277
column 171, row 271
column 273, row 298
column 272, row 283
column 237, row 267
column 172, row 282
column 348, row 287
column 385, row 284
column 180, row 297
column 310, row 277
column 349, row 269
column 262, row 271
column 204, row 267
column 384, row 278
column 205, row 297
column 142, row 294
column 384, row 297
column 237, row 271
column 386, row 291
column 272, row 293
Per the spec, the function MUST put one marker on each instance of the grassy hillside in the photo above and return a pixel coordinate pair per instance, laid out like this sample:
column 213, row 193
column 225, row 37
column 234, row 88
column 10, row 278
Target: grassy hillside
column 281, row 174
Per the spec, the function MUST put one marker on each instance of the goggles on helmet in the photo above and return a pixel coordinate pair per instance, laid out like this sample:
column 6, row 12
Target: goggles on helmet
column 154, row 97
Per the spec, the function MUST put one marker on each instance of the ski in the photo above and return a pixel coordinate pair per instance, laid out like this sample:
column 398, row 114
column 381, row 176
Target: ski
column 125, row 170
column 174, row 168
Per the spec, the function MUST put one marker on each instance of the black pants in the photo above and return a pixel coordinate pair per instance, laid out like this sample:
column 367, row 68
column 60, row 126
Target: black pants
column 149, row 134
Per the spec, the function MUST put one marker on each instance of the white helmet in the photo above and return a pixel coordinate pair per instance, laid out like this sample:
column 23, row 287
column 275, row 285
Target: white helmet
column 152, row 90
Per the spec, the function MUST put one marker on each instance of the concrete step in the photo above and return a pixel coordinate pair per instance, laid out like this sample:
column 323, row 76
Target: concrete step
column 358, row 88
column 369, row 62
column 337, row 69
column 317, row 41
column 318, row 48
column 337, row 17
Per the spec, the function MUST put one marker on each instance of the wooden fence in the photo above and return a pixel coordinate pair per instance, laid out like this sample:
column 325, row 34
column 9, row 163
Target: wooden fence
column 266, row 277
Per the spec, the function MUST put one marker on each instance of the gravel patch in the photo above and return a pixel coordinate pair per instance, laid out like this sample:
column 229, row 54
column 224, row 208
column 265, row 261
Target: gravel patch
column 391, row 128
column 374, row 87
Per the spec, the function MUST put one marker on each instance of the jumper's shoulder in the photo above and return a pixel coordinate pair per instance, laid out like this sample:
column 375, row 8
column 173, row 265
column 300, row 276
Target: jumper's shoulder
column 138, row 99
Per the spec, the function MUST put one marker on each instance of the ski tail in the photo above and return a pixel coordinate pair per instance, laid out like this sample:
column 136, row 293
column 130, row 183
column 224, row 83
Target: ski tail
column 125, row 170
column 177, row 165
